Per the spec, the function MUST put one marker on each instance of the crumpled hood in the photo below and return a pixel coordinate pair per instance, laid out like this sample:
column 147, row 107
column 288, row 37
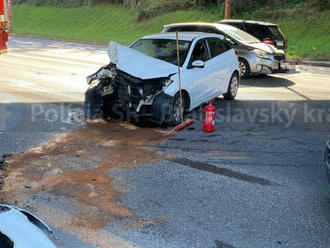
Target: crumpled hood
column 266, row 48
column 137, row 64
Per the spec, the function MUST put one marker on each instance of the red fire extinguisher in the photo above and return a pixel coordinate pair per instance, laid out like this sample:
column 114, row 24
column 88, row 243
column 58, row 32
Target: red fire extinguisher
column 209, row 118
column 6, row 36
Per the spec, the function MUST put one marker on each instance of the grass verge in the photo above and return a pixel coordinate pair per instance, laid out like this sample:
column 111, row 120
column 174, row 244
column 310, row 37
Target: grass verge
column 307, row 32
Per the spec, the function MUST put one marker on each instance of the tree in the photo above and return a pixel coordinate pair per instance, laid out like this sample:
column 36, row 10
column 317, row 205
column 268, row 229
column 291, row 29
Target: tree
column 227, row 9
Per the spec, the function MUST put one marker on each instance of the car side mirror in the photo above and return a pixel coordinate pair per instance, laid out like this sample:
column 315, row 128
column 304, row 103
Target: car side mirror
column 198, row 64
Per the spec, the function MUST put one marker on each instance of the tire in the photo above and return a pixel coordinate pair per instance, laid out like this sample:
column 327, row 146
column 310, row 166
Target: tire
column 244, row 68
column 93, row 104
column 111, row 109
column 232, row 87
column 175, row 113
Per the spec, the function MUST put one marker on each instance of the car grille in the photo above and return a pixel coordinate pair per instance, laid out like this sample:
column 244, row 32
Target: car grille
column 129, row 89
column 129, row 94
column 132, row 90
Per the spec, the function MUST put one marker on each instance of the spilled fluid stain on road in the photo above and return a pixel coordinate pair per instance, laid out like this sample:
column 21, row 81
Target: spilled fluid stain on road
column 66, row 182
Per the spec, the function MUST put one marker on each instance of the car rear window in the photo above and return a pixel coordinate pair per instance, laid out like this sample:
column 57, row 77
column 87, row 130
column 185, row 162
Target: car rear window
column 263, row 31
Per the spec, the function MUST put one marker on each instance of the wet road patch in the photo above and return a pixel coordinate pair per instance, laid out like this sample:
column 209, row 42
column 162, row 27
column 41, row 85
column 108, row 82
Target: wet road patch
column 71, row 175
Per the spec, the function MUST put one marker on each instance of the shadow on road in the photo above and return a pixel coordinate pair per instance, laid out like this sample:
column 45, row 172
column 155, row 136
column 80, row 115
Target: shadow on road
column 267, row 81
column 52, row 117
column 302, row 115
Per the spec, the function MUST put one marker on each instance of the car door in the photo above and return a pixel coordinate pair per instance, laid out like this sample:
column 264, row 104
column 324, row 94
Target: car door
column 219, row 65
column 196, row 79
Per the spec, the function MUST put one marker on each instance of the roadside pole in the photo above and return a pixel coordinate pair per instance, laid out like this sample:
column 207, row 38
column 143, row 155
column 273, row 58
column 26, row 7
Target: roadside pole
column 179, row 74
column 227, row 9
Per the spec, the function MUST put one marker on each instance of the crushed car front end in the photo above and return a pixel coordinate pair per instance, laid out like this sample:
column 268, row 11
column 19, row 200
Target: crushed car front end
column 115, row 93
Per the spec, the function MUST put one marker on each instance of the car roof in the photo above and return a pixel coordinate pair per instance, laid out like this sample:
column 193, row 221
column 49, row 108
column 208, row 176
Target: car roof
column 248, row 21
column 186, row 36
column 205, row 24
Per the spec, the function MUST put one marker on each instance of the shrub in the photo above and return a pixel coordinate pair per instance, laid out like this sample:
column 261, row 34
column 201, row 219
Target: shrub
column 150, row 8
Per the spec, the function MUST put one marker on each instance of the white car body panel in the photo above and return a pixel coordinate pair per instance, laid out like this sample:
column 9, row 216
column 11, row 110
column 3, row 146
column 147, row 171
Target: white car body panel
column 21, row 231
column 202, row 84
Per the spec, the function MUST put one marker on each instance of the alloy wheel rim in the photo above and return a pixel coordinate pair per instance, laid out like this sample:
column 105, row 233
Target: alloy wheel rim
column 177, row 111
column 234, row 86
column 242, row 68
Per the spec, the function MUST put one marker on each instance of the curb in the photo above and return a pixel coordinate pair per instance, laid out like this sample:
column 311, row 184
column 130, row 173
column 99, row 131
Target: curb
column 315, row 63
column 310, row 63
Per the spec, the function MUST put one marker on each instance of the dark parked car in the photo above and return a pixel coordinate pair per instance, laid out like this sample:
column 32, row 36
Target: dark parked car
column 264, row 31
column 327, row 159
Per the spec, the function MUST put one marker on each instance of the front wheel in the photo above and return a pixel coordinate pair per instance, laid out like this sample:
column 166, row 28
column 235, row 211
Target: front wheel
column 232, row 87
column 93, row 104
column 244, row 68
column 175, row 113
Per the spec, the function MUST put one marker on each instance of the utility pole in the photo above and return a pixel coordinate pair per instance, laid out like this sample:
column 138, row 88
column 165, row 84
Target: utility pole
column 227, row 9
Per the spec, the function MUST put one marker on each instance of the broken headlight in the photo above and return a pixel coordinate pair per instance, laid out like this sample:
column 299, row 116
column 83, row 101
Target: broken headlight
column 167, row 82
column 93, row 82
column 104, row 72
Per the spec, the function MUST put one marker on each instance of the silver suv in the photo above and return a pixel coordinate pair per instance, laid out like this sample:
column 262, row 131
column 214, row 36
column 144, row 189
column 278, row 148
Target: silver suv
column 254, row 56
column 268, row 33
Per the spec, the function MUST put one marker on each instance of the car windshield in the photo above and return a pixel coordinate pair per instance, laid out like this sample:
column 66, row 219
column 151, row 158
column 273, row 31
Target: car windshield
column 240, row 35
column 162, row 49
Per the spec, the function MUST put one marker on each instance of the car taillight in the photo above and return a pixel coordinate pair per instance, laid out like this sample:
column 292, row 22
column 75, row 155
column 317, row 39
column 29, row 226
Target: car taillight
column 268, row 41
column 286, row 43
column 236, row 53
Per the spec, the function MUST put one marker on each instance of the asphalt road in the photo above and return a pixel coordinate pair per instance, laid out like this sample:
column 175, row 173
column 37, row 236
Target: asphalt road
column 257, row 181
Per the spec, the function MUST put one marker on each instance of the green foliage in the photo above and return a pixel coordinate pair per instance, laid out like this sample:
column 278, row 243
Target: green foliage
column 307, row 30
column 150, row 8
column 97, row 23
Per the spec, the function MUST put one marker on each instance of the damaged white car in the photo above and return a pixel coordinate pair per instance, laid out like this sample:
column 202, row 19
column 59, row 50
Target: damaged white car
column 21, row 229
column 142, row 80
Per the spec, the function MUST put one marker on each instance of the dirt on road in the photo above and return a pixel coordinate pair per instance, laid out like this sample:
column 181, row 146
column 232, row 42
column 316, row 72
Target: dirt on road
column 67, row 181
